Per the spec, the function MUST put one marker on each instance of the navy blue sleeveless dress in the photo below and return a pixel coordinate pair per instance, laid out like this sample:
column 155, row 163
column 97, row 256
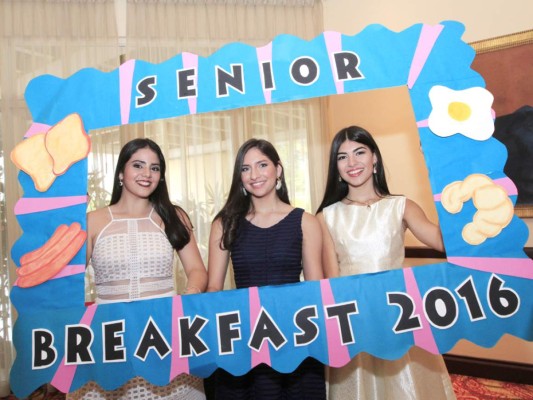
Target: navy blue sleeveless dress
column 270, row 256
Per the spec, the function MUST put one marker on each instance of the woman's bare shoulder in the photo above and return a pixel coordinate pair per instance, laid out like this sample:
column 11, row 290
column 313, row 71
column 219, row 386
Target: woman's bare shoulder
column 309, row 220
column 97, row 219
column 99, row 213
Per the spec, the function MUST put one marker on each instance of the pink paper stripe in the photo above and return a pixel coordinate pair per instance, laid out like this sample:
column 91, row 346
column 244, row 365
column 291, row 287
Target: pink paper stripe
column 426, row 41
column 29, row 205
column 519, row 267
column 68, row 270
column 37, row 128
column 423, row 337
column 263, row 355
column 422, row 124
column 191, row 61
column 338, row 353
column 265, row 54
column 334, row 45
column 178, row 364
column 65, row 373
column 125, row 74
column 506, row 183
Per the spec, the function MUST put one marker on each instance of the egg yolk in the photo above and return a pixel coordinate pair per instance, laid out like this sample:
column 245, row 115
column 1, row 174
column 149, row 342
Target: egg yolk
column 459, row 111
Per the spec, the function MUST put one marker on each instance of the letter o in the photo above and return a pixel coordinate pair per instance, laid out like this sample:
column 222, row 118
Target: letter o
column 304, row 71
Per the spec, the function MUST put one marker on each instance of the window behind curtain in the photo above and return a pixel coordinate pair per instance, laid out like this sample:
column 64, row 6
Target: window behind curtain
column 200, row 154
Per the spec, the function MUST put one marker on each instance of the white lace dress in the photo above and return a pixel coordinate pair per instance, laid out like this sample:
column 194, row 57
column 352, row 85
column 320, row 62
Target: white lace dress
column 371, row 239
column 132, row 259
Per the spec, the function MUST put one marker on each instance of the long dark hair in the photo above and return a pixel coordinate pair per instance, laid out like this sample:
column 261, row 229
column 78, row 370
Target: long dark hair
column 177, row 232
column 337, row 189
column 237, row 204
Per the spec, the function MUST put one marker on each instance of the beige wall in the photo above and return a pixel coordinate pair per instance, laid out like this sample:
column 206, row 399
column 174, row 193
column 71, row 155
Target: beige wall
column 397, row 135
column 482, row 18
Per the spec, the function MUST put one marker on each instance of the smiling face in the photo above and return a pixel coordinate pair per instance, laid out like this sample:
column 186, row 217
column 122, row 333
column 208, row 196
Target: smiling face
column 259, row 173
column 355, row 162
column 141, row 174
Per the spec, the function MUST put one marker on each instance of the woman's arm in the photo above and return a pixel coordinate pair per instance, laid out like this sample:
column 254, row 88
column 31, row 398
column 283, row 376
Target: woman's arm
column 311, row 248
column 423, row 229
column 329, row 256
column 217, row 264
column 192, row 260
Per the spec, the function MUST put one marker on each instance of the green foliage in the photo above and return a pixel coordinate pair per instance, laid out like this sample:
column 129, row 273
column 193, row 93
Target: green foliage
column 98, row 196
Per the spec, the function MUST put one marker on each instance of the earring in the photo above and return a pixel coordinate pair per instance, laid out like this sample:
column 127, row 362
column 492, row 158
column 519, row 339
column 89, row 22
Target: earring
column 375, row 169
column 120, row 182
column 278, row 184
column 340, row 179
column 244, row 191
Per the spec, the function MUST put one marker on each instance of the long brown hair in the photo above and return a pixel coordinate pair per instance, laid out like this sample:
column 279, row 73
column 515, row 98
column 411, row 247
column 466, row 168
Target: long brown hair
column 177, row 232
column 337, row 189
column 237, row 204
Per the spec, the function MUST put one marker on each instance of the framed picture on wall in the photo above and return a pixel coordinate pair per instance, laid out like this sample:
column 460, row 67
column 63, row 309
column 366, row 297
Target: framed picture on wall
column 505, row 64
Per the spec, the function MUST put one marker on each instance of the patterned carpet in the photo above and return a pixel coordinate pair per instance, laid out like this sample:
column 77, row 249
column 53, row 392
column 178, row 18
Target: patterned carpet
column 470, row 388
column 465, row 387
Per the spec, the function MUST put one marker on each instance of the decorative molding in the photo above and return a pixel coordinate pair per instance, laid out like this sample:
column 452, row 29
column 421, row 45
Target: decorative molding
column 523, row 211
column 503, row 42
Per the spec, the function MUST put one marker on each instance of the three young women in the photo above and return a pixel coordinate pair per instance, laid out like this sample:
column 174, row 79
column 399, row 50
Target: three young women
column 359, row 225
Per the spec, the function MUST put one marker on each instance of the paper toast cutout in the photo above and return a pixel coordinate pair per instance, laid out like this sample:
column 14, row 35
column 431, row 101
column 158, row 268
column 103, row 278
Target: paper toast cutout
column 45, row 156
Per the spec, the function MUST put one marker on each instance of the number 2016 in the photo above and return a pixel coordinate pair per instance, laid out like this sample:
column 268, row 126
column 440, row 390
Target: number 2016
column 441, row 308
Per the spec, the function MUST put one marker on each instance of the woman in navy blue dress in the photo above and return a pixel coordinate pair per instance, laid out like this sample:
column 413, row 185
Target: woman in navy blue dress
column 270, row 243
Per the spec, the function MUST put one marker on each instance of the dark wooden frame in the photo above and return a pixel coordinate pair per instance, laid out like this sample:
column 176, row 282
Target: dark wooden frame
column 499, row 46
column 426, row 252
column 489, row 369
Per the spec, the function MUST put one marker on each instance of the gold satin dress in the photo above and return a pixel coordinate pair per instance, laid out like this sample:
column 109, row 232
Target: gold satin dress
column 371, row 239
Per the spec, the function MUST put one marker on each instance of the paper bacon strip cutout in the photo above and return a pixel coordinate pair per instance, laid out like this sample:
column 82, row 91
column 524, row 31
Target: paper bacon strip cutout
column 45, row 262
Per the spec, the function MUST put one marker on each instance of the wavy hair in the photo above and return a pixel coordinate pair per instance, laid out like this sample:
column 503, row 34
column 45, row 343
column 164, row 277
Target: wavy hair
column 177, row 232
column 237, row 204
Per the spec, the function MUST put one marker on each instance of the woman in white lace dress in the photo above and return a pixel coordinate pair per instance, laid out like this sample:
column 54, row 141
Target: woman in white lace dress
column 131, row 245
column 363, row 227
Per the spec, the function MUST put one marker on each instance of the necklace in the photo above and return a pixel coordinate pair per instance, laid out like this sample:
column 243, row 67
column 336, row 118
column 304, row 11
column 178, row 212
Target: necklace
column 367, row 203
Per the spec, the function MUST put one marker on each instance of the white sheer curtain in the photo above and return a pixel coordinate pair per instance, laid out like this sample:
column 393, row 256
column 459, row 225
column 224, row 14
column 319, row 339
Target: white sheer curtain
column 60, row 37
